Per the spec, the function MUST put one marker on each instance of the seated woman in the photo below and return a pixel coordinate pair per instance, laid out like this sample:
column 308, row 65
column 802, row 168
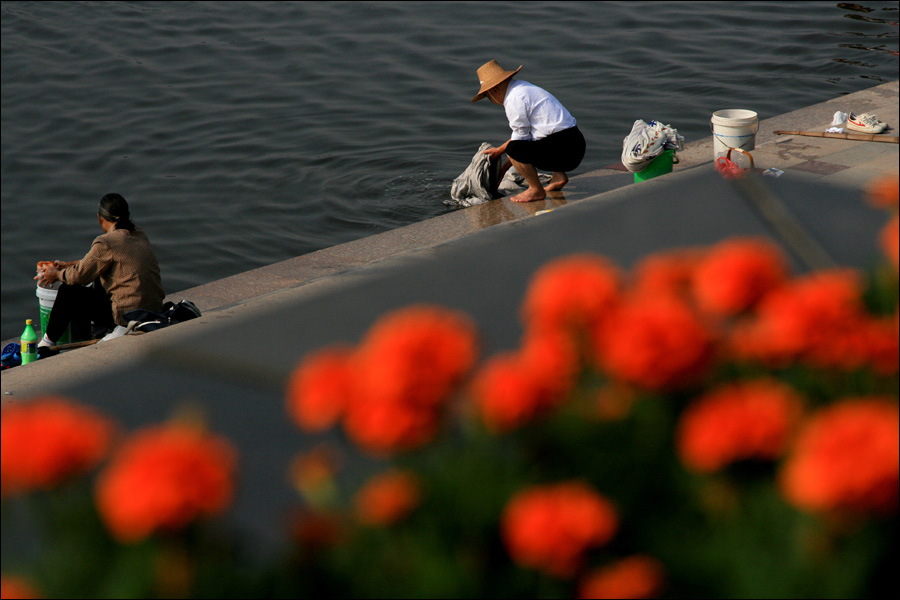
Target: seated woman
column 124, row 265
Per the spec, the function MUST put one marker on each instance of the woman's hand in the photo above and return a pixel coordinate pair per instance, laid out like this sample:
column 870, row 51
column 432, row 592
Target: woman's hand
column 495, row 153
column 48, row 272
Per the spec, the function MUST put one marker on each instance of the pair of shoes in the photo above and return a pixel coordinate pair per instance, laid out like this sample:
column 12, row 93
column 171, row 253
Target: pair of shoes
column 47, row 351
column 865, row 123
column 118, row 332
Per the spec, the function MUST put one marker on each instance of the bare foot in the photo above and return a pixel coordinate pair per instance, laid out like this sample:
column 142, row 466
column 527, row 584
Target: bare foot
column 530, row 195
column 557, row 182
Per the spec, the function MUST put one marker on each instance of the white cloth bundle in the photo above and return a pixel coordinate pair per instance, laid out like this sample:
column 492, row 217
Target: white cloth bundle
column 647, row 141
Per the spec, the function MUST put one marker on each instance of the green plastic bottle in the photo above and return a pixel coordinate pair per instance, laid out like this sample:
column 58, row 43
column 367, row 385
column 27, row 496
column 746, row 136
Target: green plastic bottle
column 29, row 343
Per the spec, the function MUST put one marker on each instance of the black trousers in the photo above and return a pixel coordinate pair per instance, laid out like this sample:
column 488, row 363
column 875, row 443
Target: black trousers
column 561, row 151
column 80, row 305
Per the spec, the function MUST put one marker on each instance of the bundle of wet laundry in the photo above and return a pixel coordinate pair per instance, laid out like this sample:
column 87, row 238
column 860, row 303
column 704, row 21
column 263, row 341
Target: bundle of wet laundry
column 481, row 181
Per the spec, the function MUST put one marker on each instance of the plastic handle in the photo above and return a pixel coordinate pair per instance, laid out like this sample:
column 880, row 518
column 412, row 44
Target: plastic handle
column 750, row 156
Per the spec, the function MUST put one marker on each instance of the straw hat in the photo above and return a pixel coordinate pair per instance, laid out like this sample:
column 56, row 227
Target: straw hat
column 491, row 74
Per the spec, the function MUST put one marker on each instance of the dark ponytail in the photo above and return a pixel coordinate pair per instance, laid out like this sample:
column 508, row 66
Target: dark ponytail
column 114, row 209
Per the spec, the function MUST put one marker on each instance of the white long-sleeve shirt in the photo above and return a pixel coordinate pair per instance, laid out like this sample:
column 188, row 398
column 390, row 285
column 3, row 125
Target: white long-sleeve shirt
column 534, row 113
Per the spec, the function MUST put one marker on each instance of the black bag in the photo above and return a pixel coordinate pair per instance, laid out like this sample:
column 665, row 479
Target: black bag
column 171, row 315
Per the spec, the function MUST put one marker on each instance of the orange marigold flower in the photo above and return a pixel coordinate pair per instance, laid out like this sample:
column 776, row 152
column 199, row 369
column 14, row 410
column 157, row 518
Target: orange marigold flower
column 846, row 458
column 513, row 388
column 815, row 318
column 163, row 478
column 879, row 345
column 667, row 272
column 638, row 576
column 16, row 587
column 507, row 393
column 47, row 440
column 552, row 356
column 890, row 242
column 406, row 370
column 736, row 273
column 571, row 293
column 320, row 388
column 820, row 319
column 655, row 343
column 551, row 527
column 386, row 426
column 884, row 192
column 747, row 420
column 417, row 355
column 387, row 498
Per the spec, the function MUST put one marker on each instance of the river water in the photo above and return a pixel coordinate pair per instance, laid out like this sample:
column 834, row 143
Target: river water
column 244, row 133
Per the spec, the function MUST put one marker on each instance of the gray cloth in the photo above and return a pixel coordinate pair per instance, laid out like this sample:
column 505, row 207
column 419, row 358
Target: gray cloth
column 475, row 184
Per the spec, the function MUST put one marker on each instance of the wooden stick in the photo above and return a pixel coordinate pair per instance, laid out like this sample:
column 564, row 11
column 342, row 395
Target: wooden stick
column 72, row 345
column 861, row 137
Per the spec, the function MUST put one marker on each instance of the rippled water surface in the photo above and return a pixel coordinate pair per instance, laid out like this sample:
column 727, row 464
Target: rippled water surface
column 247, row 133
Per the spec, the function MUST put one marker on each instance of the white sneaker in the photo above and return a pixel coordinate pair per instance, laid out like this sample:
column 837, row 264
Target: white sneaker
column 118, row 332
column 46, row 342
column 865, row 123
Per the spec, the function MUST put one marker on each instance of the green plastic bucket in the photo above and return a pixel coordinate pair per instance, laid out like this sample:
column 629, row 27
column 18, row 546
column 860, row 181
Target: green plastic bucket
column 660, row 165
column 46, row 297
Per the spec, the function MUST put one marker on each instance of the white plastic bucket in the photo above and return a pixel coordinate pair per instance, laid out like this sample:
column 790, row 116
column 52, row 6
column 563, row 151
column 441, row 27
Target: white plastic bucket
column 47, row 297
column 733, row 128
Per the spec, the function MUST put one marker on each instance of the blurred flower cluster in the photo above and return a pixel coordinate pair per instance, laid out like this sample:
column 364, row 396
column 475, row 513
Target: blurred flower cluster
column 704, row 424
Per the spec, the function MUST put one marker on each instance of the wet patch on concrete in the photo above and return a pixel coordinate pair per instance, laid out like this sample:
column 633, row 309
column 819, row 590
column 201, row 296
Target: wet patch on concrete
column 818, row 167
